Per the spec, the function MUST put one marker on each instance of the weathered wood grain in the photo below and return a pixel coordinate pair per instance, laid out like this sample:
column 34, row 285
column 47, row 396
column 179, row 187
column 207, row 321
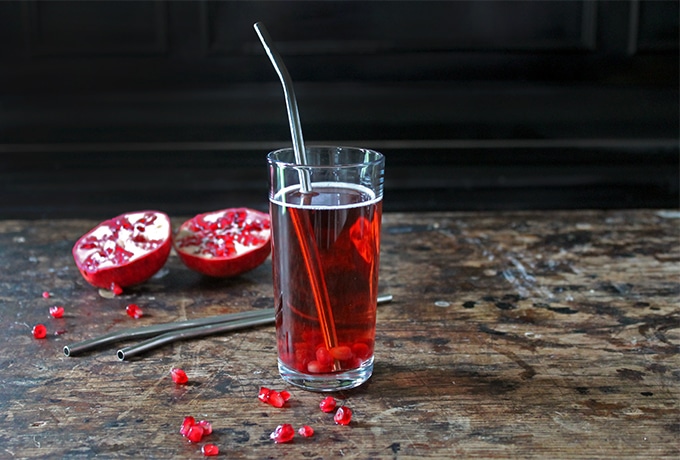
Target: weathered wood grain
column 530, row 335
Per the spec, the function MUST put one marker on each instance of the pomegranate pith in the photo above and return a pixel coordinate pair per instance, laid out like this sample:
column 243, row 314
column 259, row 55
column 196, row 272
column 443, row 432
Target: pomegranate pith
column 123, row 251
column 224, row 243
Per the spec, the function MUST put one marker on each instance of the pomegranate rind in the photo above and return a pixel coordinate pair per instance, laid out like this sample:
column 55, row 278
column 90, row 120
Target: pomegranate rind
column 146, row 258
column 246, row 257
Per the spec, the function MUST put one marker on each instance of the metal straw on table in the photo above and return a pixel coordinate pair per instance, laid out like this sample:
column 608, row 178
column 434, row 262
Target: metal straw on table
column 161, row 334
column 159, row 329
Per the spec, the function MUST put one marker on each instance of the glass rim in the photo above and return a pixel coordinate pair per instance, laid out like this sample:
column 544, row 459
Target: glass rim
column 272, row 157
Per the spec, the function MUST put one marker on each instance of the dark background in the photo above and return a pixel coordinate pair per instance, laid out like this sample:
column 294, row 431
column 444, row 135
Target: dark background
column 108, row 107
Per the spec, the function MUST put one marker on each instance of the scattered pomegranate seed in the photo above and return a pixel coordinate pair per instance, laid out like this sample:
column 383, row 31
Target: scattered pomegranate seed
column 187, row 423
column 195, row 433
column 210, row 450
column 179, row 376
column 275, row 399
column 306, row 431
column 134, row 311
column 57, row 311
column 46, row 295
column 263, row 394
column 343, row 415
column 283, row 433
column 39, row 331
column 328, row 404
column 117, row 290
column 207, row 427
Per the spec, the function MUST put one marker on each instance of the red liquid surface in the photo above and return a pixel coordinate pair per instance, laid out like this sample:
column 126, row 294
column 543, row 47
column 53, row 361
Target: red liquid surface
column 340, row 232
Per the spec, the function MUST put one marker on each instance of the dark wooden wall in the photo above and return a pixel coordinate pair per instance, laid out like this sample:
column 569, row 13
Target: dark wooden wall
column 113, row 106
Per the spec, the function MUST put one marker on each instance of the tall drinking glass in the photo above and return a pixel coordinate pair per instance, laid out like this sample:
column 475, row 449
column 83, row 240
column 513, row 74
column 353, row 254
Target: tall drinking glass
column 325, row 254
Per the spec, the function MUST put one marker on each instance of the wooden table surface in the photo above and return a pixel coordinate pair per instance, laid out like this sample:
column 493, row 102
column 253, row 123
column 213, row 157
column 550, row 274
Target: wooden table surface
column 532, row 335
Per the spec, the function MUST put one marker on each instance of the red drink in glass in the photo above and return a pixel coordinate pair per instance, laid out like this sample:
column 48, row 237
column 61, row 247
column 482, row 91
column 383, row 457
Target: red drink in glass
column 342, row 223
column 326, row 215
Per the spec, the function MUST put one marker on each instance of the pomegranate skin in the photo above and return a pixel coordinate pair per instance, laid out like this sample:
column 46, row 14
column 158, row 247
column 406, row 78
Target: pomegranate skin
column 140, row 267
column 244, row 259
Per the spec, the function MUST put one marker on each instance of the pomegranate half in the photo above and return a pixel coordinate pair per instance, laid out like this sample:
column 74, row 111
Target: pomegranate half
column 126, row 250
column 224, row 243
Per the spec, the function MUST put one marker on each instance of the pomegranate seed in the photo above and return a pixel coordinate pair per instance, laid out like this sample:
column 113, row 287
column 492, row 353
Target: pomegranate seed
column 134, row 311
column 283, row 433
column 323, row 356
column 328, row 404
column 210, row 450
column 46, row 295
column 179, row 376
column 187, row 423
column 39, row 331
column 57, row 311
column 361, row 350
column 315, row 367
column 306, row 431
column 275, row 399
column 117, row 290
column 195, row 433
column 207, row 427
column 343, row 416
column 263, row 395
column 341, row 353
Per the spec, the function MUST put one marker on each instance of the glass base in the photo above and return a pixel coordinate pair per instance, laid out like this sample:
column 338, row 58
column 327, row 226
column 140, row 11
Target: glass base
column 335, row 381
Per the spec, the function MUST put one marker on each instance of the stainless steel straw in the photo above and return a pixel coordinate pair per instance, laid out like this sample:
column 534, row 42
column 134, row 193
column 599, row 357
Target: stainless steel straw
column 162, row 334
column 301, row 224
column 191, row 333
column 203, row 331
column 291, row 104
column 151, row 331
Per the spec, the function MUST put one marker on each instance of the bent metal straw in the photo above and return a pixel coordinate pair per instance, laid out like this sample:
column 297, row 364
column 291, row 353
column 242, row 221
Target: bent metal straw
column 291, row 103
column 162, row 334
column 302, row 226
